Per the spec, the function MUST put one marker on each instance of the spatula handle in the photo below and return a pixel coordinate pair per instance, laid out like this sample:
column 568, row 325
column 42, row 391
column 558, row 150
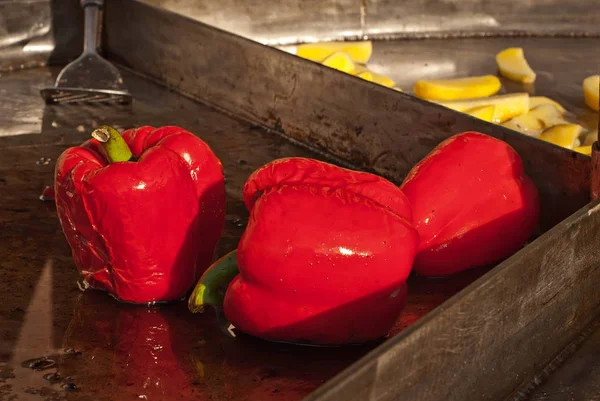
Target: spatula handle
column 98, row 3
column 91, row 9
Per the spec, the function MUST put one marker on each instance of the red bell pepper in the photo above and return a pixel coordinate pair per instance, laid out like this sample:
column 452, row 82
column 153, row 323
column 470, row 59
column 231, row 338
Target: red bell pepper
column 324, row 258
column 472, row 204
column 143, row 212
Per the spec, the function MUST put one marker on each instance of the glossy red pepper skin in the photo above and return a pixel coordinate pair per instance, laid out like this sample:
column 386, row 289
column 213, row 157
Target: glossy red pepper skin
column 325, row 256
column 472, row 204
column 143, row 230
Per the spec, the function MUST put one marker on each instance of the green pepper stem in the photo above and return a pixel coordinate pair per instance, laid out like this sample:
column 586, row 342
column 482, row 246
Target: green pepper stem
column 113, row 143
column 210, row 289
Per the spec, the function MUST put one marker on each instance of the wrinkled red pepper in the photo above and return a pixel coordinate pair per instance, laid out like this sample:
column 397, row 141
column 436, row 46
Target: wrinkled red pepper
column 146, row 229
column 472, row 204
column 325, row 256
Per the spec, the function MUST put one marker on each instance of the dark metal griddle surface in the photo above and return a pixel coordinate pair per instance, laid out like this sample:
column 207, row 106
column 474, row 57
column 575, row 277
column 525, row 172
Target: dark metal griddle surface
column 103, row 350
column 579, row 377
column 482, row 344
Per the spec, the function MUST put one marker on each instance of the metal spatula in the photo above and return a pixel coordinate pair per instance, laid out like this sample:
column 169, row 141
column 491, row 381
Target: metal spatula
column 90, row 78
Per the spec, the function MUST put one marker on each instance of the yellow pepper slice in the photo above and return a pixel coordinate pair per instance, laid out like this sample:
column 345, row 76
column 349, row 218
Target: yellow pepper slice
column 359, row 52
column 586, row 150
column 485, row 113
column 591, row 87
column 525, row 124
column 512, row 65
column 506, row 106
column 339, row 61
column 548, row 114
column 535, row 101
column 382, row 80
column 564, row 135
column 372, row 76
column 457, row 89
column 545, row 115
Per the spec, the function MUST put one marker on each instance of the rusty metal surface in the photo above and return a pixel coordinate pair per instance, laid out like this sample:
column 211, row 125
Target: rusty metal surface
column 89, row 335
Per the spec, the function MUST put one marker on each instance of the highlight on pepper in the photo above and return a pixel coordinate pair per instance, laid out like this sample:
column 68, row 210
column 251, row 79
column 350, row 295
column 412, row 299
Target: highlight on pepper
column 142, row 211
column 324, row 258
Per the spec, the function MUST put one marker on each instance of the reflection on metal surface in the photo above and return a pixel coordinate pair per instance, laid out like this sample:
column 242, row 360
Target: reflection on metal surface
column 40, row 46
column 23, row 23
column 293, row 21
column 434, row 23
column 22, row 113
column 408, row 70
column 296, row 21
column 34, row 349
column 34, row 32
column 35, row 339
column 269, row 22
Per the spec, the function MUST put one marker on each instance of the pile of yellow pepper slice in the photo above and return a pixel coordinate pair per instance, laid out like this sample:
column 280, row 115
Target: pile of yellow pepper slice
column 348, row 57
column 537, row 116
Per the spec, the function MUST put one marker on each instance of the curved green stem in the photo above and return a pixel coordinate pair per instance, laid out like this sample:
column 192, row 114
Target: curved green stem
column 210, row 289
column 113, row 143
